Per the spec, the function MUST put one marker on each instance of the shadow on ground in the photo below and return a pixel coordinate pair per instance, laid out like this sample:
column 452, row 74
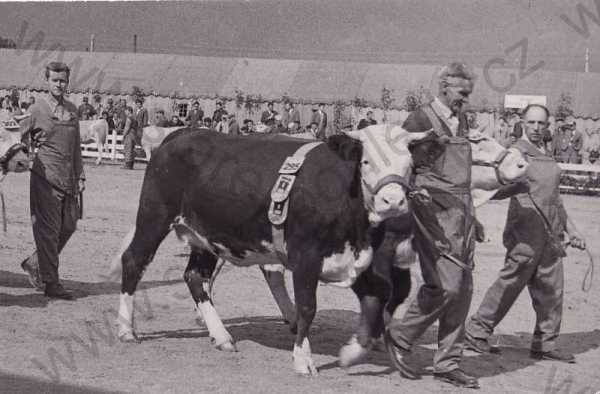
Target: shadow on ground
column 17, row 384
column 333, row 327
column 80, row 289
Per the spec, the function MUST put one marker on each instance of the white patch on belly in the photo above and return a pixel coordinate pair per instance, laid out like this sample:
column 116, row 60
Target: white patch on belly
column 187, row 234
column 405, row 254
column 342, row 269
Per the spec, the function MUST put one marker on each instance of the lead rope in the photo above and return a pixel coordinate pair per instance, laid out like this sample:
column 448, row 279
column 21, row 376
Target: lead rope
column 589, row 273
column 4, row 224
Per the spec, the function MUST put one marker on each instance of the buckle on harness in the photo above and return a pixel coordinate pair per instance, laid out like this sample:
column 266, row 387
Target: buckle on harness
column 278, row 212
column 292, row 164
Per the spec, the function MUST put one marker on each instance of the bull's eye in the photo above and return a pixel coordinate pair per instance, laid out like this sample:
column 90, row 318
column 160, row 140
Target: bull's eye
column 364, row 162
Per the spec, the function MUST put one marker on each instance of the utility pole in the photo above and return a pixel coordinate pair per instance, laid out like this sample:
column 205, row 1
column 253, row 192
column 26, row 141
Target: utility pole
column 92, row 39
column 134, row 43
column 587, row 60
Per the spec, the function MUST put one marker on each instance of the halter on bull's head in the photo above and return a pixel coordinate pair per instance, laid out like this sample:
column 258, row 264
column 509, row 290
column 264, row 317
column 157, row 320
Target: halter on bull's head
column 385, row 166
column 509, row 164
column 13, row 154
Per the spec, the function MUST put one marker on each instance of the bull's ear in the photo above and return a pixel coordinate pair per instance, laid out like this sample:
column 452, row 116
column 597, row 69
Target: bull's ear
column 412, row 137
column 354, row 134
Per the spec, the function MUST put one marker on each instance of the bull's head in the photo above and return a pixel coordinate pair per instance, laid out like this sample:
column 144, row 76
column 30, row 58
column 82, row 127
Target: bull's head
column 385, row 167
column 493, row 164
column 13, row 154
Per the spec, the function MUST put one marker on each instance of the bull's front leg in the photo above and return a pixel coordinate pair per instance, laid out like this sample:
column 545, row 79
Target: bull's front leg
column 276, row 281
column 197, row 276
column 306, row 278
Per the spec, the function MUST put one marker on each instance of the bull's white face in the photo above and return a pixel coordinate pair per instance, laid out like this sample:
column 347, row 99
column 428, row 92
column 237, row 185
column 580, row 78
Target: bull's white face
column 11, row 160
column 384, row 168
column 485, row 149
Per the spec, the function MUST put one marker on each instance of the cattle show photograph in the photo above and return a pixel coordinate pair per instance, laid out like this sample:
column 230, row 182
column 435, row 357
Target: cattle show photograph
column 300, row 196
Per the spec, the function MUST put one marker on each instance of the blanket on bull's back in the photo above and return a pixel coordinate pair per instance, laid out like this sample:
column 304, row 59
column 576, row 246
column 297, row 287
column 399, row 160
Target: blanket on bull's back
column 227, row 182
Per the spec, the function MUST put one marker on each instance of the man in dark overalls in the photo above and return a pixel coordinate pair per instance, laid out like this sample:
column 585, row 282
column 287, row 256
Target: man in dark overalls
column 443, row 231
column 533, row 236
column 129, row 137
column 57, row 178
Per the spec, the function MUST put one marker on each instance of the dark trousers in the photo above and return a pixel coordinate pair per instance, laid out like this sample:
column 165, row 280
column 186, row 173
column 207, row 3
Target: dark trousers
column 531, row 262
column 54, row 219
column 129, row 149
column 445, row 294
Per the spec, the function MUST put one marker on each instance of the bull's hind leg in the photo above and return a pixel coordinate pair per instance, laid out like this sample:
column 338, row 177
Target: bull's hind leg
column 197, row 275
column 276, row 282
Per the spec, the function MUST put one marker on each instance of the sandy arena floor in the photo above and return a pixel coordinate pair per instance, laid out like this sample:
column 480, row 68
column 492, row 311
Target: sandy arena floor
column 62, row 346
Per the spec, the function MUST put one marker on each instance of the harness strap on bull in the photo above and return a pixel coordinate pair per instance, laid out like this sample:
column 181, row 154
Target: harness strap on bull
column 280, row 193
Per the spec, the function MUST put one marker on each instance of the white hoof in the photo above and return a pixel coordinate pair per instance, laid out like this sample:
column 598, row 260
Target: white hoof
column 303, row 362
column 352, row 353
column 128, row 337
column 228, row 346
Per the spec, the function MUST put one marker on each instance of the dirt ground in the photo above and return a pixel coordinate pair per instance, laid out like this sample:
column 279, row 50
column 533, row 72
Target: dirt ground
column 62, row 346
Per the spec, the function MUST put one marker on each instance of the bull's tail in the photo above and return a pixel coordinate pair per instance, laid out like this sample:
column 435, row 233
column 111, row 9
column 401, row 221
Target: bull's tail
column 116, row 267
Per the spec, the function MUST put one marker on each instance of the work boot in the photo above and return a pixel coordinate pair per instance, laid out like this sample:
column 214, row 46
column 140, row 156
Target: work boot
column 458, row 378
column 56, row 290
column 553, row 355
column 33, row 274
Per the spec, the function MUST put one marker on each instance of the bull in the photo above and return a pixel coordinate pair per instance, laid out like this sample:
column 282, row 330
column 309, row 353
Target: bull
column 215, row 191
column 386, row 283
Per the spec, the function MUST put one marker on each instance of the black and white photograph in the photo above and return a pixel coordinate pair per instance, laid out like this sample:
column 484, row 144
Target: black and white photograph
column 300, row 196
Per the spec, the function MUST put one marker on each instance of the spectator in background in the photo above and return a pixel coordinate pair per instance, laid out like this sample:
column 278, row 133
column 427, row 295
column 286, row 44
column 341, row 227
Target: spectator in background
column 222, row 124
column 129, row 138
column 5, row 109
column 15, row 109
column 110, row 107
column 195, row 116
column 368, row 121
column 118, row 123
column 268, row 117
column 291, row 118
column 278, row 127
column 176, row 122
column 567, row 142
column 141, row 119
column 160, row 119
column 320, row 118
column 233, row 126
column 313, row 129
column 248, row 127
column 206, row 124
column 31, row 101
column 502, row 133
column 85, row 110
column 593, row 146
column 575, row 141
column 218, row 114
column 98, row 107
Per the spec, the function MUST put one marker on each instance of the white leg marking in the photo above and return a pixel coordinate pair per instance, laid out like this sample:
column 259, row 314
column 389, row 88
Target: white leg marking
column 352, row 353
column 303, row 362
column 216, row 329
column 125, row 318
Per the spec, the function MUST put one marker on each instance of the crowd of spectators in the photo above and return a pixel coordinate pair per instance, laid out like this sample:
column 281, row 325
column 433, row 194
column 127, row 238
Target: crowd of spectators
column 564, row 140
